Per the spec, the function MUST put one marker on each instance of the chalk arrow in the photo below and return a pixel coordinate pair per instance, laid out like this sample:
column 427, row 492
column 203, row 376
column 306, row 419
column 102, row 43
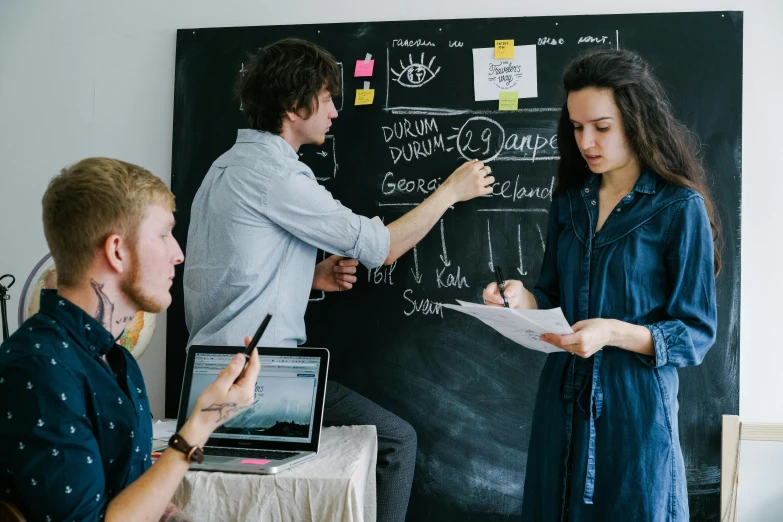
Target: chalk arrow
column 416, row 274
column 489, row 242
column 322, row 153
column 444, row 257
column 543, row 243
column 520, row 269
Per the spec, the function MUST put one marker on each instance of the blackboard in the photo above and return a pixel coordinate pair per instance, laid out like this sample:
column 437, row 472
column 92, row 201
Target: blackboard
column 467, row 391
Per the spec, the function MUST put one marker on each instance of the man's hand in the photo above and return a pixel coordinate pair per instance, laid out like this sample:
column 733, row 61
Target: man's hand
column 223, row 399
column 589, row 336
column 470, row 180
column 335, row 273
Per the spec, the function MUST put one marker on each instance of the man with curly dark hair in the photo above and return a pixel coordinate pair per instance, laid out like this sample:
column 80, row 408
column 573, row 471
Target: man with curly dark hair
column 260, row 216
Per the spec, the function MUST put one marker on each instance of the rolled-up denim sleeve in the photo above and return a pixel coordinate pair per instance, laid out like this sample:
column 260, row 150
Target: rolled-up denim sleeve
column 689, row 332
column 547, row 289
column 307, row 210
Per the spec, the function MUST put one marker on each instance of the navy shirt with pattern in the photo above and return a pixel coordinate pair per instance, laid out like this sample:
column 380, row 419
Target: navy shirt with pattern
column 74, row 430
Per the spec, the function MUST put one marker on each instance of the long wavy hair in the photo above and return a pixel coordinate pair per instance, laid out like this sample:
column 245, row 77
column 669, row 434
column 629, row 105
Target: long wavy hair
column 661, row 143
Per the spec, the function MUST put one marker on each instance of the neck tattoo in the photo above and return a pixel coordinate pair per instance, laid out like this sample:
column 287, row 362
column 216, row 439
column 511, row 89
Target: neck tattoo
column 105, row 307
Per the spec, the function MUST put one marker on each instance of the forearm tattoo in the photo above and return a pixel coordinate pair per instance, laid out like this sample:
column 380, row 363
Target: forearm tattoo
column 105, row 307
column 225, row 410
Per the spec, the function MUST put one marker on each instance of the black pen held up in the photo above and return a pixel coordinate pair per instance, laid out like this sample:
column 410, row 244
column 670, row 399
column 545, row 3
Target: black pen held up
column 501, row 284
column 254, row 342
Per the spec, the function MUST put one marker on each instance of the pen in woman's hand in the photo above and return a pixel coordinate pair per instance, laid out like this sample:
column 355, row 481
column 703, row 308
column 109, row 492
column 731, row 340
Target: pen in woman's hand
column 501, row 284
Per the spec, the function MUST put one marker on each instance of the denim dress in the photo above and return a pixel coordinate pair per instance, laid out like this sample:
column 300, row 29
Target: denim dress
column 605, row 444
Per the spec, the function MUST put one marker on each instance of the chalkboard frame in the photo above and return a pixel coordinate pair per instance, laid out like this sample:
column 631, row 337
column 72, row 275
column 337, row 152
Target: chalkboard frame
column 698, row 56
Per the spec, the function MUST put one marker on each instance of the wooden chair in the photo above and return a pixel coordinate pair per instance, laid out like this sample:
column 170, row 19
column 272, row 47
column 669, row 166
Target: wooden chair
column 734, row 432
column 9, row 513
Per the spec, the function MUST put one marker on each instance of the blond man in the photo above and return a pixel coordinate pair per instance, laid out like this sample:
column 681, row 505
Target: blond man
column 75, row 428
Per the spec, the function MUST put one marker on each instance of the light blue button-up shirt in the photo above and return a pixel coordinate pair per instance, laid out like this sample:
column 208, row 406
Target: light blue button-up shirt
column 256, row 224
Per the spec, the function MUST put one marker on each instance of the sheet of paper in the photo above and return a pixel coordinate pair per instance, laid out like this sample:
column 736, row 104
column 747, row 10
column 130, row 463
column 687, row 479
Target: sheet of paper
column 364, row 96
column 492, row 75
column 364, row 68
column 521, row 326
column 164, row 430
column 504, row 48
column 509, row 101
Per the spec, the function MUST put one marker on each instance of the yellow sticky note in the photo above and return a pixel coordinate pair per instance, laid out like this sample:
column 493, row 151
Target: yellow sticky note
column 364, row 96
column 509, row 101
column 504, row 48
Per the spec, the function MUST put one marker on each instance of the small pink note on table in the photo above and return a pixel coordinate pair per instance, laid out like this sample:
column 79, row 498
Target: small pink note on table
column 364, row 68
column 258, row 462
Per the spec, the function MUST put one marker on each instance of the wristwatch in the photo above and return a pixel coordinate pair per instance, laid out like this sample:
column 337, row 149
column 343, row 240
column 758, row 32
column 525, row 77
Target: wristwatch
column 193, row 453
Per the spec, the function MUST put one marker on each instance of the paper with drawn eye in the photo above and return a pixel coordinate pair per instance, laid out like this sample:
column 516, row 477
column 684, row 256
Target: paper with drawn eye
column 521, row 326
column 492, row 75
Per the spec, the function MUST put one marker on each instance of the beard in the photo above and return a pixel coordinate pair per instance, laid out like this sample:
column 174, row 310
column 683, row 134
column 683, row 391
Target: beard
column 131, row 287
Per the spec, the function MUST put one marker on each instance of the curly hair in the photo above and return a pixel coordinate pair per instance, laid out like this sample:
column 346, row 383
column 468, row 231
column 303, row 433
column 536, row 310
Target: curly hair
column 285, row 76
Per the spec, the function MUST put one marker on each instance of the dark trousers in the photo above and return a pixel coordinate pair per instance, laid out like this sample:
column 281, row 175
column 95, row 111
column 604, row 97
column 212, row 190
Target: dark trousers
column 396, row 446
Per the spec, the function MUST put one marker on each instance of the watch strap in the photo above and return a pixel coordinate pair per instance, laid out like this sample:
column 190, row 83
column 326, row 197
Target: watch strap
column 193, row 453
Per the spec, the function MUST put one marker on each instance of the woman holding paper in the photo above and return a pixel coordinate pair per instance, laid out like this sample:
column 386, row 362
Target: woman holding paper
column 631, row 259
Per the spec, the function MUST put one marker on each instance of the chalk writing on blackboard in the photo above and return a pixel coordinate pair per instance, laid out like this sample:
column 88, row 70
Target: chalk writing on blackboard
column 322, row 159
column 415, row 269
column 520, row 268
column 382, row 275
column 415, row 74
column 443, row 257
column 411, row 43
column 421, row 306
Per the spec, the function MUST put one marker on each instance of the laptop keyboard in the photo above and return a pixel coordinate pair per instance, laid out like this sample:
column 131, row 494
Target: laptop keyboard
column 249, row 453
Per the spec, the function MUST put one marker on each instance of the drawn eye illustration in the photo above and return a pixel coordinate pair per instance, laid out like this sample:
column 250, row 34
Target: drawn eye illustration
column 415, row 74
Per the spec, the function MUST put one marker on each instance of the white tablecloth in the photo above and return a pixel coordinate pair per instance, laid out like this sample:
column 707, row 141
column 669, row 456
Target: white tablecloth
column 337, row 485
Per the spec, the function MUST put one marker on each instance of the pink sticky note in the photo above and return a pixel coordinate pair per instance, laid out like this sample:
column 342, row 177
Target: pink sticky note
column 364, row 68
column 258, row 462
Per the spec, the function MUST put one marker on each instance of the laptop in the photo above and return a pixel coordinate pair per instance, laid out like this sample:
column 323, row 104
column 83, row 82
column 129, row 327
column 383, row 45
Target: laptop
column 281, row 429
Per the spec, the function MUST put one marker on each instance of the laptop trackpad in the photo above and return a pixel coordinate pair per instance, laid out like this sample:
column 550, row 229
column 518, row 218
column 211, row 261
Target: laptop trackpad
column 220, row 460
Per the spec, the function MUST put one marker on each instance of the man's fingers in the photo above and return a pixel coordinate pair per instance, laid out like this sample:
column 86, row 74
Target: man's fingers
column 348, row 262
column 247, row 341
column 229, row 374
column 251, row 372
column 344, row 269
column 345, row 285
column 345, row 277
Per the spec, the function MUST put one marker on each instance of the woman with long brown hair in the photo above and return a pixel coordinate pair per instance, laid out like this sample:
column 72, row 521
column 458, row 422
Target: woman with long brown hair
column 631, row 259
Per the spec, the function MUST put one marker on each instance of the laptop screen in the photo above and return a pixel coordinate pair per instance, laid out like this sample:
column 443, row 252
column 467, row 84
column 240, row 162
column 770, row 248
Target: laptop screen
column 285, row 398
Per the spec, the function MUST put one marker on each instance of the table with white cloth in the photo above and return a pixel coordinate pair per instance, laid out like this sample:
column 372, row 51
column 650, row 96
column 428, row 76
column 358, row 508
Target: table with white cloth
column 337, row 485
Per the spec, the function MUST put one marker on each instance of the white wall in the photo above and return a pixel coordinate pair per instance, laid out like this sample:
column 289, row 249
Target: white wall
column 96, row 77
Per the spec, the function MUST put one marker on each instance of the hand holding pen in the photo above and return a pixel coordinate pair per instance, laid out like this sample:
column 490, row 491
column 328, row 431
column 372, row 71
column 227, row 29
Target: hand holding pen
column 509, row 293
column 250, row 344
column 501, row 284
